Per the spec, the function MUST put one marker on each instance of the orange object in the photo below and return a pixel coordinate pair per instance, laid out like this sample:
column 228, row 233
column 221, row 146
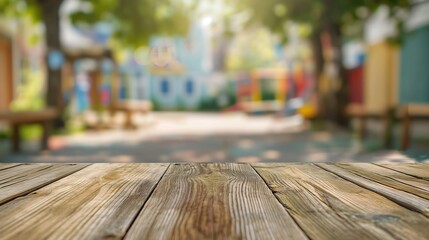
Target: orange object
column 307, row 111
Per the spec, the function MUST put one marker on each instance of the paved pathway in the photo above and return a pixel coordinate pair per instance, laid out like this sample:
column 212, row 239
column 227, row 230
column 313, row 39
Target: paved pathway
column 201, row 137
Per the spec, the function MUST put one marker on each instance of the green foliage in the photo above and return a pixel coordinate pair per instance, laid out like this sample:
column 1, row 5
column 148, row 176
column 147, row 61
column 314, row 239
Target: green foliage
column 209, row 104
column 251, row 49
column 155, row 104
column 212, row 103
column 30, row 98
column 3, row 135
column 134, row 21
column 21, row 7
column 267, row 90
column 274, row 14
column 30, row 92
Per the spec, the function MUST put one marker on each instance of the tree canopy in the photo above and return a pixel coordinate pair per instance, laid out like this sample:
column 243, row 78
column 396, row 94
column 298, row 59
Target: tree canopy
column 319, row 14
column 133, row 21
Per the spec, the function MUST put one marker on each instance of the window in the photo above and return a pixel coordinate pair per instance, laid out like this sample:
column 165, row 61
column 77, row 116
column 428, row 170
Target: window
column 189, row 87
column 165, row 86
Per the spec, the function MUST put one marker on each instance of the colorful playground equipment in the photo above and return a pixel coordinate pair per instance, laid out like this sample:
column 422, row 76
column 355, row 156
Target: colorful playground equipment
column 266, row 89
column 269, row 89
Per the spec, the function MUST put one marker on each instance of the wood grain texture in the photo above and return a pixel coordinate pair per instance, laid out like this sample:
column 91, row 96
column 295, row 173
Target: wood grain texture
column 328, row 207
column 21, row 179
column 390, row 178
column 8, row 165
column 213, row 201
column 403, row 198
column 100, row 201
column 418, row 170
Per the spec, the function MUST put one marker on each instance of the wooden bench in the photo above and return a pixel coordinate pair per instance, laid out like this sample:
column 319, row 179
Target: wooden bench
column 406, row 112
column 129, row 108
column 358, row 111
column 20, row 118
column 403, row 113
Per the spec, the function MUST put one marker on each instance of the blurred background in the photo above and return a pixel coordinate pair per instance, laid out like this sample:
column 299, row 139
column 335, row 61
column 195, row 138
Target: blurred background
column 214, row 81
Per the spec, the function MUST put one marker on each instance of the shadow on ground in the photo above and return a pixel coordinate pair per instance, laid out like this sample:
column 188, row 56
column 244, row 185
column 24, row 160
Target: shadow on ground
column 191, row 137
column 279, row 147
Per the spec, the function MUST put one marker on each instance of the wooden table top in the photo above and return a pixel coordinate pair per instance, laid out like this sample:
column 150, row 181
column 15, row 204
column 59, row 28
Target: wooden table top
column 214, row 201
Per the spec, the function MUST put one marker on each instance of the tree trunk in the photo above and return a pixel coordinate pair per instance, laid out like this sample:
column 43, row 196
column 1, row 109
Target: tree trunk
column 338, row 97
column 340, row 93
column 319, row 62
column 50, row 11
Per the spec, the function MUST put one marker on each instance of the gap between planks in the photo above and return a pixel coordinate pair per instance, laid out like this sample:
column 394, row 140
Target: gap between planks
column 391, row 178
column 144, row 204
column 215, row 200
column 287, row 208
column 4, row 166
column 421, row 172
column 403, row 198
column 99, row 201
column 22, row 179
column 327, row 206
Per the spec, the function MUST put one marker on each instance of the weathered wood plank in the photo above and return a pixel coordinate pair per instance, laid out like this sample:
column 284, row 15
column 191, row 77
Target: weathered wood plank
column 328, row 207
column 403, row 198
column 419, row 170
column 100, row 201
column 8, row 165
column 206, row 201
column 22, row 179
column 390, row 178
